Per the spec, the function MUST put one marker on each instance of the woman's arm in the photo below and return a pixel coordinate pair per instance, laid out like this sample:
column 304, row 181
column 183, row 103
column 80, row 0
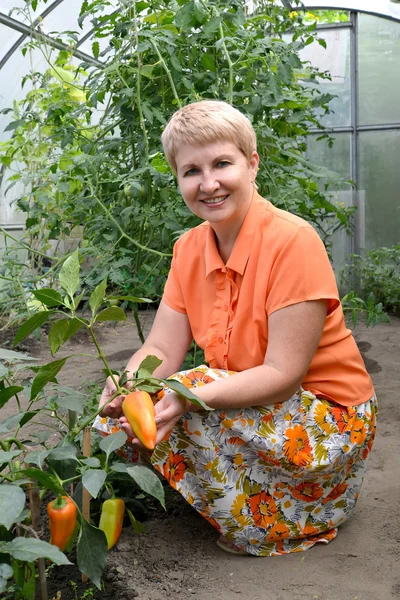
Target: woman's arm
column 169, row 340
column 294, row 333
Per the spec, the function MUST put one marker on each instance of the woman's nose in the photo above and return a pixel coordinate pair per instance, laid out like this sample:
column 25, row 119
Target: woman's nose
column 209, row 183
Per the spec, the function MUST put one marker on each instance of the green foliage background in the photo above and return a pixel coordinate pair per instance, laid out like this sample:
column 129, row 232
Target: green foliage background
column 105, row 180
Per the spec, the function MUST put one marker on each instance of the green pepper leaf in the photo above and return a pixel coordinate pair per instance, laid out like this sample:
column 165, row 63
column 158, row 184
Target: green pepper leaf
column 137, row 526
column 148, row 366
column 93, row 480
column 29, row 549
column 178, row 387
column 6, row 572
column 113, row 442
column 97, row 296
column 92, row 552
column 57, row 334
column 113, row 313
column 30, row 325
column 69, row 274
column 8, row 393
column 45, row 480
column 45, row 374
column 148, row 481
column 12, row 502
column 48, row 297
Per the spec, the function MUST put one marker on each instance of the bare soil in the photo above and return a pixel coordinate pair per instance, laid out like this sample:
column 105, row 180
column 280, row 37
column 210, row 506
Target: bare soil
column 178, row 556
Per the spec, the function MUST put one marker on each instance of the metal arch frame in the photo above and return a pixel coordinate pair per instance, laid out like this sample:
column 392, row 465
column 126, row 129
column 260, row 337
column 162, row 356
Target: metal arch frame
column 27, row 31
column 390, row 10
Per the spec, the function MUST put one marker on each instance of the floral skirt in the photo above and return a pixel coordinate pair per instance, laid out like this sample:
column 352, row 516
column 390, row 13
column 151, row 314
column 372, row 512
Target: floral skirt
column 274, row 479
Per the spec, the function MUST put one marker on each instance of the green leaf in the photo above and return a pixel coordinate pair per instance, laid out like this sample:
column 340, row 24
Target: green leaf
column 97, row 296
column 8, row 393
column 91, row 462
column 137, row 526
column 63, row 453
column 11, row 356
column 129, row 298
column 37, row 457
column 177, row 386
column 114, row 313
column 148, row 481
column 57, row 334
column 93, row 480
column 5, row 457
column 12, row 502
column 207, row 60
column 96, row 49
column 74, row 326
column 45, row 374
column 6, row 572
column 148, row 366
column 30, row 325
column 48, row 297
column 71, row 399
column 46, row 480
column 29, row 549
column 147, row 71
column 69, row 274
column 15, row 124
column 113, row 442
column 119, row 467
column 92, row 552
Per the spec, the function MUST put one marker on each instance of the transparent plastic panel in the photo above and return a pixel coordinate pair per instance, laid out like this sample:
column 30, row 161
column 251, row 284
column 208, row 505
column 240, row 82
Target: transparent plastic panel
column 380, row 182
column 8, row 38
column 336, row 60
column 337, row 159
column 379, row 70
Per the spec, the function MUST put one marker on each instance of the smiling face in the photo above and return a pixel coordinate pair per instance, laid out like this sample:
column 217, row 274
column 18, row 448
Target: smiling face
column 216, row 182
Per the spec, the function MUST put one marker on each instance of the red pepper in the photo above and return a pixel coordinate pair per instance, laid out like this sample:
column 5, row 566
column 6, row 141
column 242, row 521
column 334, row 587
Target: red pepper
column 62, row 517
column 139, row 410
column 111, row 519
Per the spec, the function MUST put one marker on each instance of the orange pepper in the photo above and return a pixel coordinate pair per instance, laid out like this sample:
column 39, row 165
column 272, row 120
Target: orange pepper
column 62, row 520
column 139, row 410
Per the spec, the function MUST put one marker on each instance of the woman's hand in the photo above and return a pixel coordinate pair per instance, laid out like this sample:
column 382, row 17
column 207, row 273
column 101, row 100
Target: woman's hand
column 169, row 411
column 114, row 408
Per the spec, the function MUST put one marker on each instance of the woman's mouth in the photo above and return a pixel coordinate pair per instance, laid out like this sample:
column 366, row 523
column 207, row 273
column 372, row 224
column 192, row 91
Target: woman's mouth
column 215, row 201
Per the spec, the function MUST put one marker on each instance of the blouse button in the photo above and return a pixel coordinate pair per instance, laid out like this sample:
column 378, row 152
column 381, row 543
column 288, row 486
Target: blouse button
column 221, row 340
column 225, row 307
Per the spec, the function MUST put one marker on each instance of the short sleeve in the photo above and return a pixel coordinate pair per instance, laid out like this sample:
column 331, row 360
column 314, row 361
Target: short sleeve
column 302, row 272
column 172, row 295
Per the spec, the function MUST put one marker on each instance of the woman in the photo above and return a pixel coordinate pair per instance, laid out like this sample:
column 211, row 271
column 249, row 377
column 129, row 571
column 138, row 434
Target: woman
column 278, row 464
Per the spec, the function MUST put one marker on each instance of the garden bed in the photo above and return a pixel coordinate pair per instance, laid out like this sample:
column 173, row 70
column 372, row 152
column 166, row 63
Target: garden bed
column 178, row 556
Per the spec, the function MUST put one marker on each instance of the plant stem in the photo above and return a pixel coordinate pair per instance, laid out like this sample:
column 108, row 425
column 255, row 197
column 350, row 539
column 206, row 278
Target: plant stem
column 137, row 323
column 168, row 72
column 123, row 234
column 103, row 358
column 230, row 64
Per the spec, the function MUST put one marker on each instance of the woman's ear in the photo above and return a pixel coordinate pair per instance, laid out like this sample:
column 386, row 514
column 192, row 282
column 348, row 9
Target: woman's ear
column 253, row 165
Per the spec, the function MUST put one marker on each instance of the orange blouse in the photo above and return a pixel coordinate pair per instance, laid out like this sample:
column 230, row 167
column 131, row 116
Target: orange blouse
column 278, row 259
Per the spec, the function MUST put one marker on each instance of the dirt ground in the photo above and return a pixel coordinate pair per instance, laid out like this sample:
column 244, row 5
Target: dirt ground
column 178, row 556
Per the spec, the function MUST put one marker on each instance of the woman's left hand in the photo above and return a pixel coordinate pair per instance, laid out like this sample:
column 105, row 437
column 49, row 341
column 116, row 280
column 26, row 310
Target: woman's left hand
column 168, row 412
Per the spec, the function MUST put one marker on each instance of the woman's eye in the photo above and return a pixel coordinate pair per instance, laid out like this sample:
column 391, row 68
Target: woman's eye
column 223, row 163
column 190, row 172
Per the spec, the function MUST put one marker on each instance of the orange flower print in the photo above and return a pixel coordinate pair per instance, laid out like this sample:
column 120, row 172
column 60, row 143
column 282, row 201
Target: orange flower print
column 196, row 378
column 297, row 447
column 263, row 508
column 322, row 414
column 268, row 459
column 307, row 491
column 341, row 417
column 358, row 433
column 337, row 491
column 174, row 468
column 278, row 532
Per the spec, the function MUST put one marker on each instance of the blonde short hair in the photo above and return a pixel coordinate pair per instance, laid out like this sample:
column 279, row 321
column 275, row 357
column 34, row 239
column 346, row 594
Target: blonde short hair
column 205, row 122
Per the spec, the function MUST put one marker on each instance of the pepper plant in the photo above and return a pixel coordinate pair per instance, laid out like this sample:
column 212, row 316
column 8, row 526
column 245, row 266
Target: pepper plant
column 55, row 467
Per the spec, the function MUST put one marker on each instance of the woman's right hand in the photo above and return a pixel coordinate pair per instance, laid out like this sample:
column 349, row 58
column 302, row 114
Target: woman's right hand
column 114, row 408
